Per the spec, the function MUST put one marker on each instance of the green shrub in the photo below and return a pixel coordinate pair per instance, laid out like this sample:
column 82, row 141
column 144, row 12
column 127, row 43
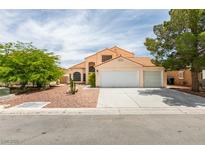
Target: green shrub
column 23, row 63
column 91, row 79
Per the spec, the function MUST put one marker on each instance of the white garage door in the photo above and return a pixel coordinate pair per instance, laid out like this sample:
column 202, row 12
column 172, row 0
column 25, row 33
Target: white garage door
column 152, row 79
column 119, row 79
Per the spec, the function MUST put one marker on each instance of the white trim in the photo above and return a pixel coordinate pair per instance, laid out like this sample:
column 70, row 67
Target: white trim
column 117, row 58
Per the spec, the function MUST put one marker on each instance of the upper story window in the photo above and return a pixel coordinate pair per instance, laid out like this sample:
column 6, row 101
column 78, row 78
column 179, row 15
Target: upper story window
column 91, row 66
column 106, row 57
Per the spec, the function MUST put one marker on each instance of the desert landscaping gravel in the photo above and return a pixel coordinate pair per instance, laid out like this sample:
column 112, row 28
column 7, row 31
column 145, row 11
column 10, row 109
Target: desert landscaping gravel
column 84, row 98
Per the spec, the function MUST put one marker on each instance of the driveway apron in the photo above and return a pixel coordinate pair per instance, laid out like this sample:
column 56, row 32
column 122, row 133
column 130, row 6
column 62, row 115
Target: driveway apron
column 115, row 97
column 146, row 97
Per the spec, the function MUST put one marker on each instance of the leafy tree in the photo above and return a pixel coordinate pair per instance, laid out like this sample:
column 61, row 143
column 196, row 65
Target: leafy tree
column 23, row 63
column 180, row 42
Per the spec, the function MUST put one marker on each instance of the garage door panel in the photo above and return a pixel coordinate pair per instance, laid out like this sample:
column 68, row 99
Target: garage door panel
column 152, row 79
column 119, row 79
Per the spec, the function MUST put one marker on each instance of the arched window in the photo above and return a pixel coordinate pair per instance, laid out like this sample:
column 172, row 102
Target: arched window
column 77, row 76
column 91, row 66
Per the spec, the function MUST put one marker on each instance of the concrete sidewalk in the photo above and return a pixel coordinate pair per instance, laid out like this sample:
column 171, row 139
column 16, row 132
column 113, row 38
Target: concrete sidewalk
column 103, row 111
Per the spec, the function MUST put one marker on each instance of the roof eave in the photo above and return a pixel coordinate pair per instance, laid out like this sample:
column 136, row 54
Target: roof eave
column 99, row 52
column 117, row 58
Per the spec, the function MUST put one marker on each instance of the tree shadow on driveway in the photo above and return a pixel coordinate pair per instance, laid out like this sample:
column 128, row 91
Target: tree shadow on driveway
column 173, row 97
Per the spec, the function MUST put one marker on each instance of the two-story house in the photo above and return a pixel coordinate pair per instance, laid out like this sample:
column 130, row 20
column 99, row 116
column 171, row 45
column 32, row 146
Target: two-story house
column 117, row 67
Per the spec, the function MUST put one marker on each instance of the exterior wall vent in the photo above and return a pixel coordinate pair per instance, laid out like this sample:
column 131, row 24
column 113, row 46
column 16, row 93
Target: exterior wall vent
column 120, row 60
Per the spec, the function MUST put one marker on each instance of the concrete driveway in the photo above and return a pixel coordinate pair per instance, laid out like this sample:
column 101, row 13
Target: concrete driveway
column 146, row 97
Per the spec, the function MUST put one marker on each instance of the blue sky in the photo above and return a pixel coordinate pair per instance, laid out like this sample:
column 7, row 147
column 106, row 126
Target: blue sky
column 75, row 34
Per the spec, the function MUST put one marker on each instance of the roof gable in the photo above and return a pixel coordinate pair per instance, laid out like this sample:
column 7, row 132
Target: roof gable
column 109, row 61
column 145, row 61
column 80, row 65
column 119, row 51
column 100, row 52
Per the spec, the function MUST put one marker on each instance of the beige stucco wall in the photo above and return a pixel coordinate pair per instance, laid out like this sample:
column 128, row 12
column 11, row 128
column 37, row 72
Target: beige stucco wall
column 117, row 65
column 71, row 71
column 97, row 58
column 165, row 79
column 126, row 65
column 114, row 65
column 87, row 60
column 122, row 52
column 187, row 81
column 100, row 54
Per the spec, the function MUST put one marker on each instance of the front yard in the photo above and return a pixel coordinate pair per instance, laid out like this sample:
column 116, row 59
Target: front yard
column 200, row 93
column 187, row 90
column 58, row 98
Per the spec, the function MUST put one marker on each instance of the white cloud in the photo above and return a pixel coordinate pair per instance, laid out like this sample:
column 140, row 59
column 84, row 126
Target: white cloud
column 76, row 34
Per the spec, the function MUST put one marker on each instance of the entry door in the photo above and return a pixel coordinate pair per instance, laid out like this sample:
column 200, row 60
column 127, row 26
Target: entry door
column 152, row 79
column 119, row 79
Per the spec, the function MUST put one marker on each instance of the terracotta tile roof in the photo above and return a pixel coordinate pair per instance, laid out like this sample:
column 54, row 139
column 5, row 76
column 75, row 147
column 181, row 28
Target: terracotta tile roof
column 113, row 49
column 80, row 65
column 119, row 57
column 100, row 51
column 107, row 61
column 145, row 61
column 116, row 47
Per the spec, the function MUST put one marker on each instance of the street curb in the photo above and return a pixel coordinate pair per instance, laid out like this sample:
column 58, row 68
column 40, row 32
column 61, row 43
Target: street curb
column 103, row 111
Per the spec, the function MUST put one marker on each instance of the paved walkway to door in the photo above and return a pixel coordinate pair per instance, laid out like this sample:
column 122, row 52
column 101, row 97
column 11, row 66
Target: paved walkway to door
column 146, row 97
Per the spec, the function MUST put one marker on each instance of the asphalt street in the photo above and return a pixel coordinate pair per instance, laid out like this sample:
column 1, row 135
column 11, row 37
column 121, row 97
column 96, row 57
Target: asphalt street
column 102, row 129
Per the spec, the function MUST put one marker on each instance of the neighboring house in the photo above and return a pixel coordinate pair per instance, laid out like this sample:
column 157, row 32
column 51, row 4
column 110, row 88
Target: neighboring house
column 116, row 67
column 184, row 77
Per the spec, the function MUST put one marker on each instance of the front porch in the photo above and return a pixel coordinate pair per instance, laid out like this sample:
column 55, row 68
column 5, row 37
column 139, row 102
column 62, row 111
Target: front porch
column 79, row 75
